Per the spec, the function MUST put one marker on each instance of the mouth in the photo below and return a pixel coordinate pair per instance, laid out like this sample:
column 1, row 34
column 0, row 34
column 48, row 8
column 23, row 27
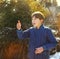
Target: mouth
column 33, row 23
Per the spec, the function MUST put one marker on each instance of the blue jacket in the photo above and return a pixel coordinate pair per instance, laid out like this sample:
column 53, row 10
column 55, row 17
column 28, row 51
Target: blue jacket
column 41, row 37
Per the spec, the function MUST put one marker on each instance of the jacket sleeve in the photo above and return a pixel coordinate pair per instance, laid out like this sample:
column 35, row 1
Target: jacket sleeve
column 51, row 41
column 23, row 34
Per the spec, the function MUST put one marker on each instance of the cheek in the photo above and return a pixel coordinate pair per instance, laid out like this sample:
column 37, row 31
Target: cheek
column 37, row 21
column 33, row 21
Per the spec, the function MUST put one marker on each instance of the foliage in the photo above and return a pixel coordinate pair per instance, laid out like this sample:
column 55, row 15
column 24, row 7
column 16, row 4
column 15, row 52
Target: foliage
column 21, row 10
column 13, row 12
column 37, row 6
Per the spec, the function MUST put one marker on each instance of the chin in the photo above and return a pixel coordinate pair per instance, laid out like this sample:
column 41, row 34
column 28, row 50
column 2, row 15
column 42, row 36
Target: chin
column 34, row 26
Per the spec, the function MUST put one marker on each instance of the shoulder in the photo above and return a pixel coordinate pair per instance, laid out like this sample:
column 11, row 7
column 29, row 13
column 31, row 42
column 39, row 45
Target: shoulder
column 31, row 28
column 47, row 28
column 48, row 31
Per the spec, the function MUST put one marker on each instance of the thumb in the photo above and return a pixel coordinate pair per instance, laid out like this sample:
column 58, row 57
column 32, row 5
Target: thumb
column 19, row 21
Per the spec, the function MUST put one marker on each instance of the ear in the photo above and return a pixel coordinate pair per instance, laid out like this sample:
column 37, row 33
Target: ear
column 42, row 20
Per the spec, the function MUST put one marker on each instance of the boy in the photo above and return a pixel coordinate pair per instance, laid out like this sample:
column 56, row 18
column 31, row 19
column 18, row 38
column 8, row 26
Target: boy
column 41, row 38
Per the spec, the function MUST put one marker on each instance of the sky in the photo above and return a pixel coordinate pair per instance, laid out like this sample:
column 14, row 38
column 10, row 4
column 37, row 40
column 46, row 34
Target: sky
column 58, row 1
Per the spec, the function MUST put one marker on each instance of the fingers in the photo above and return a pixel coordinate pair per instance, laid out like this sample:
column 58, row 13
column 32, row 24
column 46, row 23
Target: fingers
column 39, row 50
column 19, row 21
column 18, row 26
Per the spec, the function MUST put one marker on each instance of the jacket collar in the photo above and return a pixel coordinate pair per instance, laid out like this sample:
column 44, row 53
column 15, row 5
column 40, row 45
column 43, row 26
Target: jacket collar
column 41, row 27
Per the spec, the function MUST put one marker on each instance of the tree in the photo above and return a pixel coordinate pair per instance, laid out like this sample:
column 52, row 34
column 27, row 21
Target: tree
column 14, row 12
column 36, row 6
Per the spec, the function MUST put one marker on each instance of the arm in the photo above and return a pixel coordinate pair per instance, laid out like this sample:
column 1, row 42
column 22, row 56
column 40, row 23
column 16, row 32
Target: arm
column 23, row 34
column 51, row 41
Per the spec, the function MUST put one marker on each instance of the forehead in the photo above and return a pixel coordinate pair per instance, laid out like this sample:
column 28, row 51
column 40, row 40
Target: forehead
column 34, row 18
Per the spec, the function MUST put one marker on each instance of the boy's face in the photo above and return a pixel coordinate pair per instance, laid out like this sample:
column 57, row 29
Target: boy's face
column 36, row 22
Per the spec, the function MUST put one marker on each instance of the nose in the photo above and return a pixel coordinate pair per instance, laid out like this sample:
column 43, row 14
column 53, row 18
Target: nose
column 33, row 20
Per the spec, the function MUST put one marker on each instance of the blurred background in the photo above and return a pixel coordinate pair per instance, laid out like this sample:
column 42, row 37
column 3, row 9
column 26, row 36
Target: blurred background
column 11, row 11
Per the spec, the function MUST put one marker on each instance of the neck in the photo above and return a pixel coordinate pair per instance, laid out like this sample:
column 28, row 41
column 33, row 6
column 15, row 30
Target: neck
column 38, row 26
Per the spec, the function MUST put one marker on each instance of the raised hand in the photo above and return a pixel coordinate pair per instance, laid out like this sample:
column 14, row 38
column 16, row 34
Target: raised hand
column 18, row 26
